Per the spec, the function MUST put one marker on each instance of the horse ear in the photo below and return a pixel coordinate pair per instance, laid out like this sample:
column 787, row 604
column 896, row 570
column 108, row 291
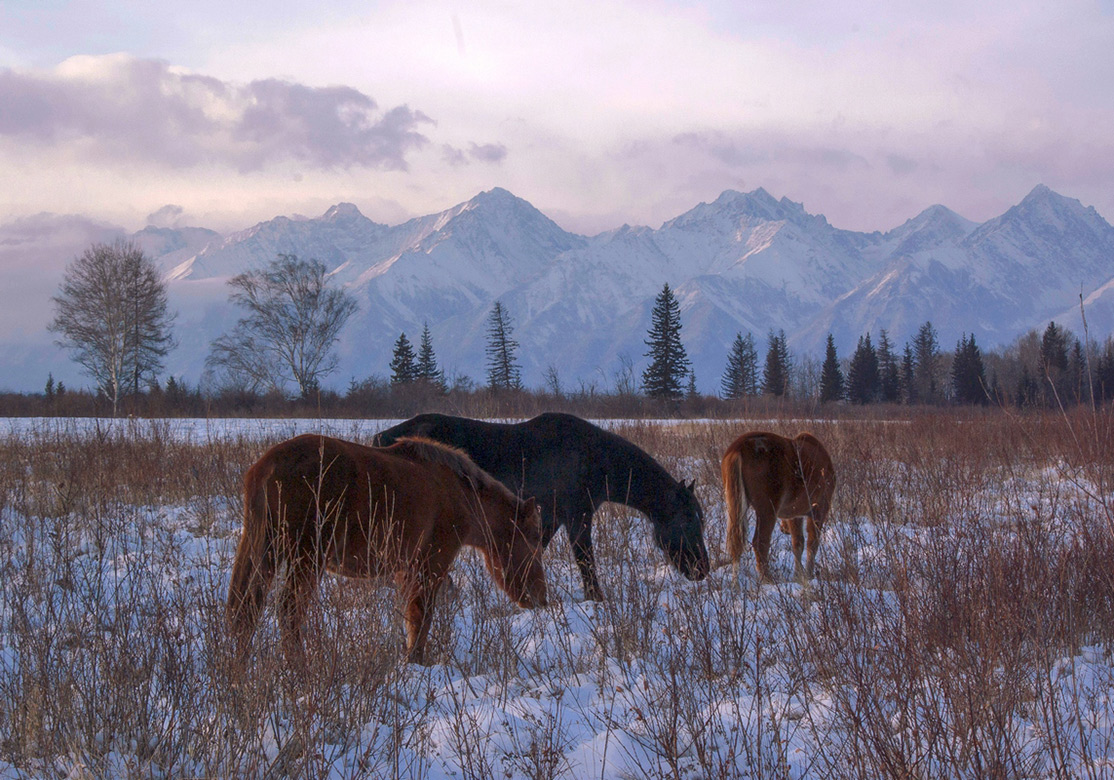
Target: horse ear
column 691, row 486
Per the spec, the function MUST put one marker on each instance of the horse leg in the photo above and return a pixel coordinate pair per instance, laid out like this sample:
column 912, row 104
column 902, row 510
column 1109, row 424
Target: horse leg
column 763, row 529
column 247, row 592
column 419, row 591
column 297, row 592
column 794, row 526
column 580, row 537
column 814, row 527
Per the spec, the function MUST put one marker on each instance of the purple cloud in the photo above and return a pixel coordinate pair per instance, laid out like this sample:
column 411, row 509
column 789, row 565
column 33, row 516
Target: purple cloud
column 126, row 109
column 489, row 153
column 486, row 153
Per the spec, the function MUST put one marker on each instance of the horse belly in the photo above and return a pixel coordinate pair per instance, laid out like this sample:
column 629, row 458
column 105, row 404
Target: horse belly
column 357, row 556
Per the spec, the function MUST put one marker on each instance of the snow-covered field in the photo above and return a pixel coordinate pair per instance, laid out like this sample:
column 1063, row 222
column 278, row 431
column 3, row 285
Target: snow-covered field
column 960, row 628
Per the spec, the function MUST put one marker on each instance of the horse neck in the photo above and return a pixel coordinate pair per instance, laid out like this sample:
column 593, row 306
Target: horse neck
column 488, row 519
column 638, row 481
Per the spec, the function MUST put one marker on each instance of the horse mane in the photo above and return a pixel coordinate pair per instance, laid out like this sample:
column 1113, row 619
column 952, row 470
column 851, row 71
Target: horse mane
column 458, row 461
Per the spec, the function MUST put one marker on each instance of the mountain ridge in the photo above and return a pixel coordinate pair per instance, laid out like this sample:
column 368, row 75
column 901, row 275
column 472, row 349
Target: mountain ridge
column 580, row 304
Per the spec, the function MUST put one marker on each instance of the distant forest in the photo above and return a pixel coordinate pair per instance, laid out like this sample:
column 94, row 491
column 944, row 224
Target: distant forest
column 1052, row 369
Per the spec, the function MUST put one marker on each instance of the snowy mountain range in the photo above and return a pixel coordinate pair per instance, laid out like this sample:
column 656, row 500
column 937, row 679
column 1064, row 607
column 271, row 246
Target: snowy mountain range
column 581, row 305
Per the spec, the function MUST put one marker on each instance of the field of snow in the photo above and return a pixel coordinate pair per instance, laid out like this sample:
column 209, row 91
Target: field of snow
column 961, row 625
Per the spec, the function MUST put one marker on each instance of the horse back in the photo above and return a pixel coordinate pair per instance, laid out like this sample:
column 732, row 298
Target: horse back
column 337, row 499
column 767, row 467
column 816, row 469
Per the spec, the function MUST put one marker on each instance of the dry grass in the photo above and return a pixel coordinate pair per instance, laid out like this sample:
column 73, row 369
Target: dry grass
column 964, row 562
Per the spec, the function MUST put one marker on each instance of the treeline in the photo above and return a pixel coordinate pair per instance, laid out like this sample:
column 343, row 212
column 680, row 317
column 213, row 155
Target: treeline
column 111, row 313
column 1053, row 369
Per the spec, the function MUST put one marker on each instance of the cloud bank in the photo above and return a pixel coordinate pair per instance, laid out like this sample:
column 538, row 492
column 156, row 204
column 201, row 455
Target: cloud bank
column 120, row 108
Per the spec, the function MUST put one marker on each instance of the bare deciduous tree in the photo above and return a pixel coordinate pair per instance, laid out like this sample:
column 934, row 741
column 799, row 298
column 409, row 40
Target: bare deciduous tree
column 111, row 312
column 292, row 323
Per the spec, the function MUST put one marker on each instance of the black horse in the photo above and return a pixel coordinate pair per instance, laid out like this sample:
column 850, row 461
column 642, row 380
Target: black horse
column 571, row 467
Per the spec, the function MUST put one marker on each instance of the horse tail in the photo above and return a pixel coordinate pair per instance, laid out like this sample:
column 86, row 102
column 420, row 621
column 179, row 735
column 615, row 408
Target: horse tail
column 255, row 563
column 738, row 504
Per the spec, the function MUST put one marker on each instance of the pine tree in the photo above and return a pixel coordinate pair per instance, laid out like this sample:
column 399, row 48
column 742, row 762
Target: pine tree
column 1054, row 365
column 1077, row 374
column 690, row 390
column 864, row 384
column 741, row 376
column 1103, row 375
column 775, row 376
column 503, row 373
column 428, row 371
column 403, row 368
column 909, row 376
column 889, row 370
column 926, row 352
column 831, row 375
column 968, row 373
column 669, row 364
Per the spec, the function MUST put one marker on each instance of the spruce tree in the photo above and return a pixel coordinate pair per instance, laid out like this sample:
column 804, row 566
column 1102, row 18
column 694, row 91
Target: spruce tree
column 908, row 376
column 428, row 371
column 775, row 376
column 503, row 373
column 864, row 384
column 926, row 353
column 669, row 364
column 831, row 375
column 1077, row 374
column 741, row 376
column 1103, row 374
column 1054, row 365
column 404, row 370
column 889, row 370
column 968, row 373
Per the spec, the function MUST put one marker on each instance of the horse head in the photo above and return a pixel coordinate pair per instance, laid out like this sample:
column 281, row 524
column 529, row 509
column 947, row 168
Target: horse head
column 679, row 531
column 515, row 556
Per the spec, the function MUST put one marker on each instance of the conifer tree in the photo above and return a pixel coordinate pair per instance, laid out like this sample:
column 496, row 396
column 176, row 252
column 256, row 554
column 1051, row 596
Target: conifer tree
column 404, row 369
column 968, row 373
column 503, row 373
column 775, row 376
column 428, row 370
column 1103, row 375
column 1054, row 365
column 669, row 364
column 831, row 375
column 888, row 370
column 926, row 353
column 1077, row 374
column 864, row 385
column 909, row 376
column 741, row 376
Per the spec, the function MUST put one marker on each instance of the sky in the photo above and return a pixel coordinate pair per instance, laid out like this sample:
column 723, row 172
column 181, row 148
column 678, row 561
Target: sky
column 599, row 112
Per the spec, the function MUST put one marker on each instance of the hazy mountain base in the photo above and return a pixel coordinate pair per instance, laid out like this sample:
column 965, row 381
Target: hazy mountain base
column 581, row 305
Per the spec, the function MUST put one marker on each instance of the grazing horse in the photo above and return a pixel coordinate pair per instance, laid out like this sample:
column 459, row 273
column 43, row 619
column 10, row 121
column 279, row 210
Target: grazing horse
column 782, row 478
column 571, row 467
column 317, row 503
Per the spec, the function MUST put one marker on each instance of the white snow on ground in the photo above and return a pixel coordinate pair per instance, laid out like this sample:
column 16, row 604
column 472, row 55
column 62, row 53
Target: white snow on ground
column 666, row 679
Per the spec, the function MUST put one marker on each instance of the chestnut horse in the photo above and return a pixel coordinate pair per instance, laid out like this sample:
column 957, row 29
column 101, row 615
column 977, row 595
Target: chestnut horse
column 782, row 478
column 317, row 503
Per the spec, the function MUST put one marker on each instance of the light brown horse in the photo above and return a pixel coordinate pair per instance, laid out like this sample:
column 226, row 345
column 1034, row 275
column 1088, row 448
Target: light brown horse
column 317, row 503
column 782, row 478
